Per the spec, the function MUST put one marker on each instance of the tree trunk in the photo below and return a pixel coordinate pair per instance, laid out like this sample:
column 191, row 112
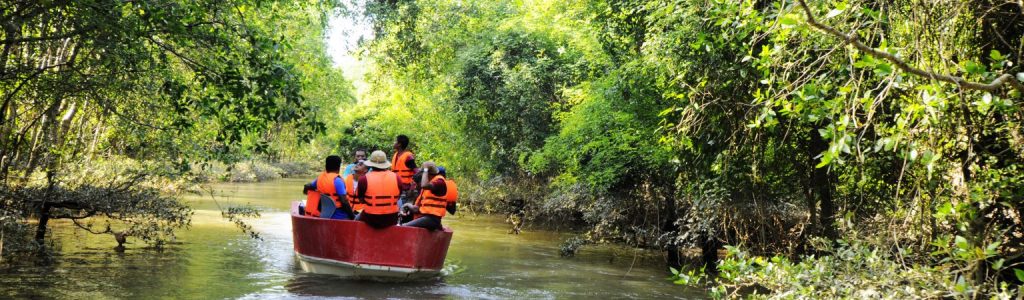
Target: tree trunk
column 44, row 210
column 44, row 217
column 33, row 156
column 821, row 184
column 709, row 253
column 668, row 226
column 44, row 136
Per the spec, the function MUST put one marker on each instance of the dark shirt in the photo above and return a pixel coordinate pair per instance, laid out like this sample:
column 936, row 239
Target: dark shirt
column 410, row 163
column 437, row 186
column 378, row 221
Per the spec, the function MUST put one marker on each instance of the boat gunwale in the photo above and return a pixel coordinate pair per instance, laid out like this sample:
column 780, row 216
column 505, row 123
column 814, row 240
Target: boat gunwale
column 295, row 214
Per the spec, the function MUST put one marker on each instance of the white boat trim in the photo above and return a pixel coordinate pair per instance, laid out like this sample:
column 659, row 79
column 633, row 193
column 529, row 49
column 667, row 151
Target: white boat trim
column 329, row 266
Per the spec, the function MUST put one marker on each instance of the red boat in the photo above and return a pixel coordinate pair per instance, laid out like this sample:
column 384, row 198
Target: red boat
column 354, row 249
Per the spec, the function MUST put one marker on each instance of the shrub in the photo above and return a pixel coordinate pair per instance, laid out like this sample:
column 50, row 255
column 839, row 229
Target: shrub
column 856, row 267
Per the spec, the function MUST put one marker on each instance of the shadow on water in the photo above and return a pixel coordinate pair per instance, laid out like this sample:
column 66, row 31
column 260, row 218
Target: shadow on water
column 214, row 260
column 307, row 284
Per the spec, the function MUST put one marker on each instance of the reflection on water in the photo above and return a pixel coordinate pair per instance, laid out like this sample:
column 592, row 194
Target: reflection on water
column 214, row 260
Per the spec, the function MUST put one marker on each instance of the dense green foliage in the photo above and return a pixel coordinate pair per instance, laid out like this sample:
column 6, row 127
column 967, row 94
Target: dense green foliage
column 108, row 105
column 668, row 123
column 868, row 139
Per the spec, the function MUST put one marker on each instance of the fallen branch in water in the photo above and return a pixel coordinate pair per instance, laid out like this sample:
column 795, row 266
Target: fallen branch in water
column 854, row 40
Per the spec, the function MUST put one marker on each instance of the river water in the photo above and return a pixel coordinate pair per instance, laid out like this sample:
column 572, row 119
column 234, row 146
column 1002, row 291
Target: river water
column 215, row 260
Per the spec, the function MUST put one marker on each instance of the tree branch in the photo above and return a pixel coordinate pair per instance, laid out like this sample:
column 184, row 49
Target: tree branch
column 45, row 38
column 854, row 40
column 188, row 61
column 89, row 228
column 88, row 214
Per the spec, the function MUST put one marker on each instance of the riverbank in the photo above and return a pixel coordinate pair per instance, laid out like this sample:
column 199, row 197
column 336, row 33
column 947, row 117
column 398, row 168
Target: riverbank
column 252, row 171
column 121, row 198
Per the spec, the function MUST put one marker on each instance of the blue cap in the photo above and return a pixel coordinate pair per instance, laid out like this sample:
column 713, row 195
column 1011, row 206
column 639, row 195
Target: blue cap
column 440, row 170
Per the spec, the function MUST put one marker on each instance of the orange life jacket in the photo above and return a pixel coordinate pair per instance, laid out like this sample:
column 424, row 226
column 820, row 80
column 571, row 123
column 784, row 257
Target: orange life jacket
column 312, row 203
column 431, row 204
column 381, row 193
column 398, row 166
column 324, row 186
column 350, row 193
column 452, row 193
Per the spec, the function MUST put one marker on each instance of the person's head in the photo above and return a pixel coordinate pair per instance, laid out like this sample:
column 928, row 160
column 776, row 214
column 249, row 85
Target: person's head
column 378, row 160
column 333, row 164
column 360, row 155
column 359, row 169
column 431, row 168
column 401, row 142
column 441, row 171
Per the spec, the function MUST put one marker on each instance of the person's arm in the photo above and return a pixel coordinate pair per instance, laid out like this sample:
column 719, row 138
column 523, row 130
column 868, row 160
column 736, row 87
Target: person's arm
column 452, row 207
column 339, row 186
column 411, row 162
column 340, row 189
column 424, row 179
column 409, row 208
column 309, row 187
column 414, row 184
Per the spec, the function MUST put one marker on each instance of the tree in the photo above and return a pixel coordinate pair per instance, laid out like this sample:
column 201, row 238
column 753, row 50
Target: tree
column 162, row 82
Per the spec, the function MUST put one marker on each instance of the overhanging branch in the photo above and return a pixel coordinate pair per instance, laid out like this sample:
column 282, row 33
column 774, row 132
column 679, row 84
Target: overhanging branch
column 89, row 228
column 30, row 39
column 854, row 40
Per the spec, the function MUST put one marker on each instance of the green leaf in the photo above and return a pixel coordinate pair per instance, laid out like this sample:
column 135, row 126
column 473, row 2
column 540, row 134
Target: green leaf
column 974, row 68
column 869, row 12
column 833, row 13
column 1019, row 273
column 961, row 242
column 996, row 56
column 998, row 265
column 883, row 69
column 866, row 61
column 990, row 250
column 825, row 160
column 944, row 210
column 789, row 20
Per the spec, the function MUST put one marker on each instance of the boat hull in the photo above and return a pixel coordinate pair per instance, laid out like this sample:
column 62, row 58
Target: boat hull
column 354, row 249
column 344, row 269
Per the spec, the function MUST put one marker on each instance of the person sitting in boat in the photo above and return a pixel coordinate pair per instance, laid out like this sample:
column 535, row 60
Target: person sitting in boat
column 328, row 184
column 431, row 204
column 379, row 191
column 351, row 181
column 452, row 192
column 357, row 156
